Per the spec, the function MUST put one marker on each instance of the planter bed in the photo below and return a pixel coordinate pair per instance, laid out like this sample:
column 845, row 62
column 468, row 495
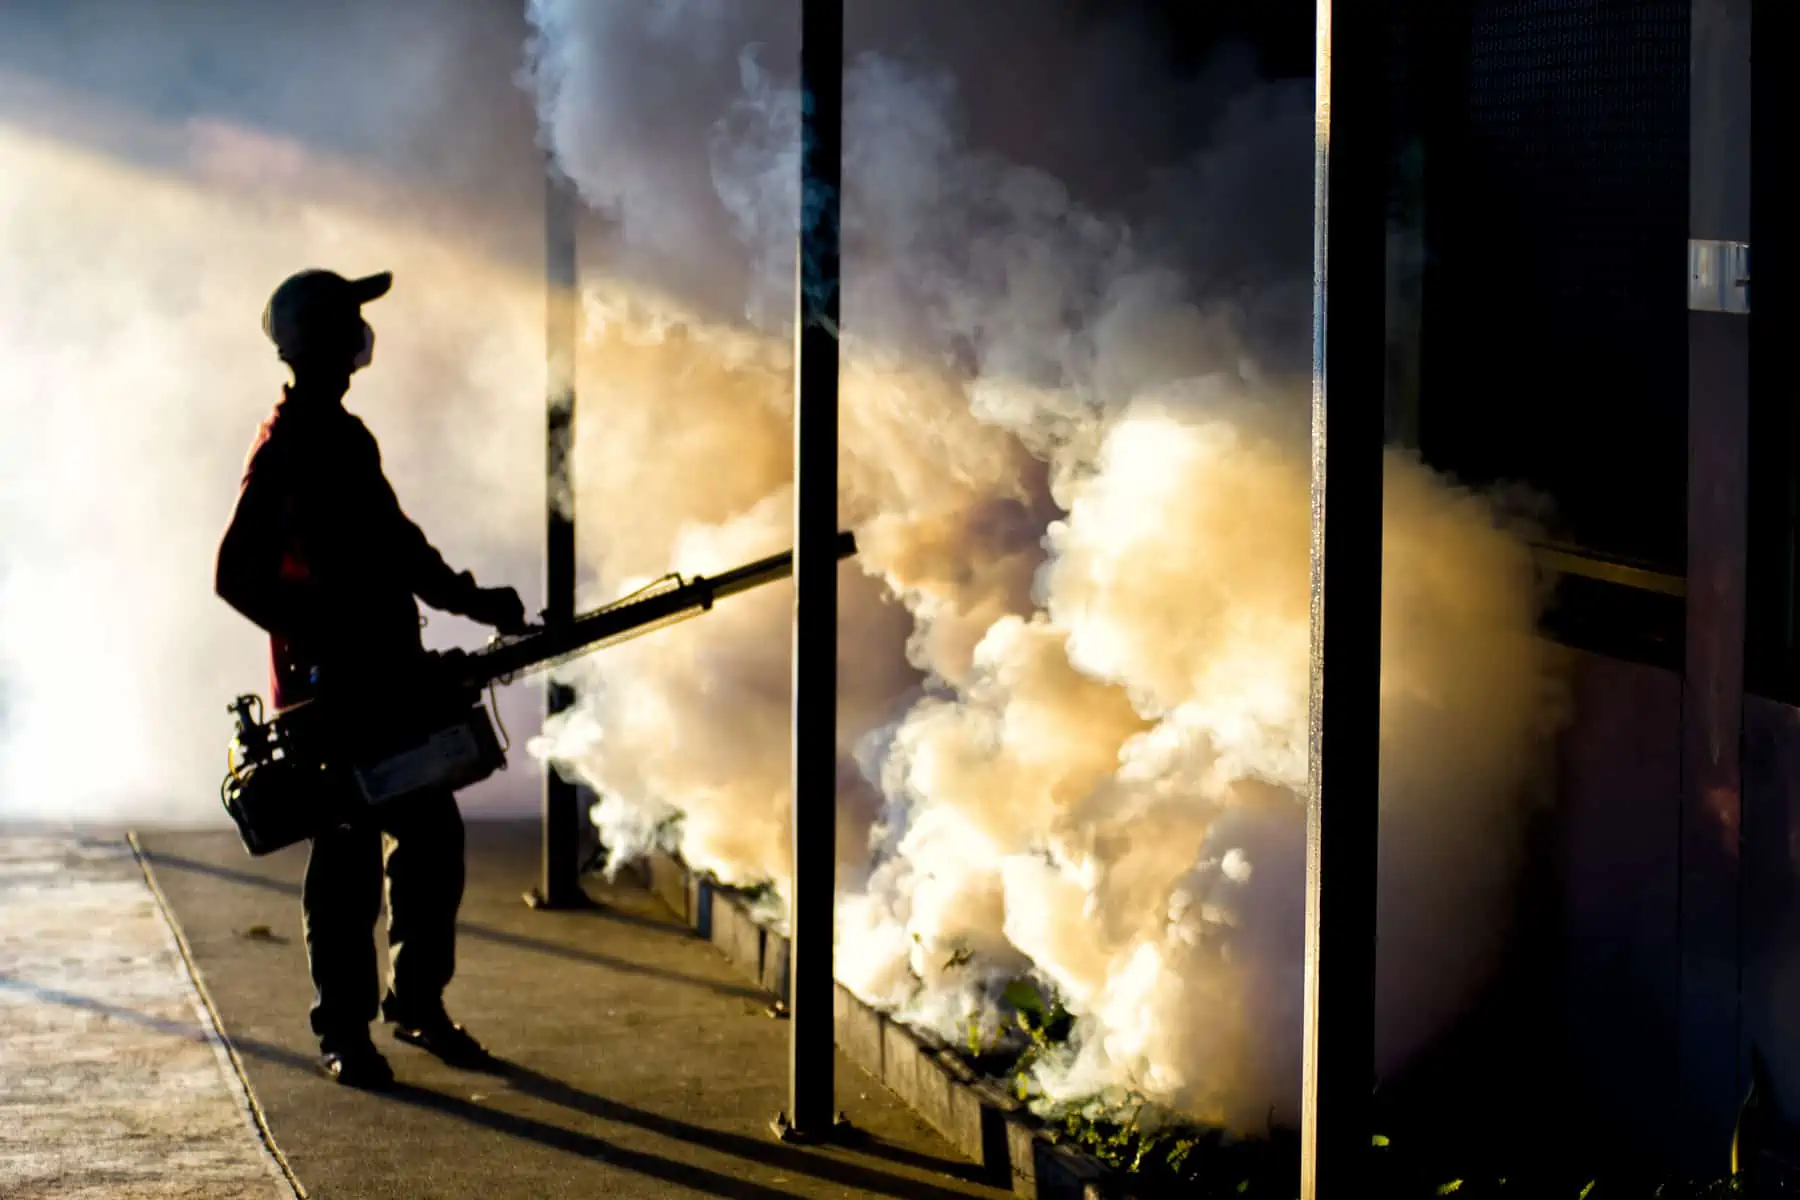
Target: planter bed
column 959, row 1096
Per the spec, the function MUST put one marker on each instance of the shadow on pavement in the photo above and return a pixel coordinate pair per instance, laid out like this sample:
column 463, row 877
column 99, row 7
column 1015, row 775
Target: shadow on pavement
column 771, row 1153
column 531, row 1083
column 516, row 941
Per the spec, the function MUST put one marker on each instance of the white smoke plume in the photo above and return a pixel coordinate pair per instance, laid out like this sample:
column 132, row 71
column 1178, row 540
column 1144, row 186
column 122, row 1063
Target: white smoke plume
column 163, row 165
column 1074, row 645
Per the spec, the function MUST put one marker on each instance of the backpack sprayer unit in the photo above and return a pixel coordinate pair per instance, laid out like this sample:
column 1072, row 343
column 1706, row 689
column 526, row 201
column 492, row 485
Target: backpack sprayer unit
column 321, row 763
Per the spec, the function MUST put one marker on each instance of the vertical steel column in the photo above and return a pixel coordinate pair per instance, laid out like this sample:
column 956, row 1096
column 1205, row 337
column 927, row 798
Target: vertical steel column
column 559, row 883
column 1709, row 1078
column 812, row 1046
column 1349, row 377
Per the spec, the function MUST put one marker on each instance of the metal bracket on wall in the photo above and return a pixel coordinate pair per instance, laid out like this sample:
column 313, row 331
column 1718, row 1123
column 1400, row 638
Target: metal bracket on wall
column 1588, row 566
column 1718, row 276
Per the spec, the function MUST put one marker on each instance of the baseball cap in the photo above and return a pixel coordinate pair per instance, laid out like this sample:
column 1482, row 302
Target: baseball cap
column 311, row 298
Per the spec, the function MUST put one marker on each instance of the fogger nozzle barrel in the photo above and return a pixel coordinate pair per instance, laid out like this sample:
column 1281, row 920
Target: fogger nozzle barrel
column 668, row 600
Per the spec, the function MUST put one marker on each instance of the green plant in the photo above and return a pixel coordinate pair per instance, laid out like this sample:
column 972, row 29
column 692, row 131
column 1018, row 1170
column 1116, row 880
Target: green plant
column 758, row 892
column 667, row 833
column 1046, row 1025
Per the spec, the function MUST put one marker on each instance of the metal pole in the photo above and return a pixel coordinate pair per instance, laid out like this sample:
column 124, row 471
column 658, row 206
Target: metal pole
column 1710, row 1066
column 559, row 883
column 1349, row 373
column 812, row 1046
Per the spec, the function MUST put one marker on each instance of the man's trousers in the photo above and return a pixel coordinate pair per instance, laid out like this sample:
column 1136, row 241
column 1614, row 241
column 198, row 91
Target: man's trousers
column 416, row 849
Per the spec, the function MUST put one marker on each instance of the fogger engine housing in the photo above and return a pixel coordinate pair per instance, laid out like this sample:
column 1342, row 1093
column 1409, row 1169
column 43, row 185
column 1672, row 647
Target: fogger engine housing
column 339, row 759
column 293, row 776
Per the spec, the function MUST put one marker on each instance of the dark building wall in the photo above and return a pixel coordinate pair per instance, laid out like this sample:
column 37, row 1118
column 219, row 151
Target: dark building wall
column 1771, row 875
column 1556, row 151
column 1618, row 867
column 1770, row 994
column 1619, row 872
column 1571, row 148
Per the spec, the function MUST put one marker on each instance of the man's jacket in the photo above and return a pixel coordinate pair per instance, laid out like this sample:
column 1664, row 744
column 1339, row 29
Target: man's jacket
column 319, row 554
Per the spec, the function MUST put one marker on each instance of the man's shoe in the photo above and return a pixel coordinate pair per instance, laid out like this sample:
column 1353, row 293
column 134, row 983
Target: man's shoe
column 357, row 1066
column 445, row 1039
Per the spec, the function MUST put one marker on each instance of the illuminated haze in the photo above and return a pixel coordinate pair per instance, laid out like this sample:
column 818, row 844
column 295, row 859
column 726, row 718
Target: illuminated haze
column 1073, row 647
column 163, row 166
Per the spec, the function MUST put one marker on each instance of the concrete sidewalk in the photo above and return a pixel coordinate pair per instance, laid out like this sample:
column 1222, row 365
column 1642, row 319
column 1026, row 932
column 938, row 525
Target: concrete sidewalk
column 642, row 1065
column 113, row 1083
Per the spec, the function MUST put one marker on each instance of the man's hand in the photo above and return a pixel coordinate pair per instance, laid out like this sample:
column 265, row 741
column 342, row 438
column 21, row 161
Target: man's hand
column 499, row 607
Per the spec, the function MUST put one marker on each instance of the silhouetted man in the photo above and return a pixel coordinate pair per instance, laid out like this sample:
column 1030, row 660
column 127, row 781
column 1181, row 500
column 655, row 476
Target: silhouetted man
column 320, row 555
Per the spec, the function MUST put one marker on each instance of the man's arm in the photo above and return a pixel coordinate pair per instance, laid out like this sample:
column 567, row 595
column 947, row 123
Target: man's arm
column 253, row 572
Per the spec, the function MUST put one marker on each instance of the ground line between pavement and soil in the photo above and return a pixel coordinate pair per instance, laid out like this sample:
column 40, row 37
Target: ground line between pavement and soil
column 215, row 1027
